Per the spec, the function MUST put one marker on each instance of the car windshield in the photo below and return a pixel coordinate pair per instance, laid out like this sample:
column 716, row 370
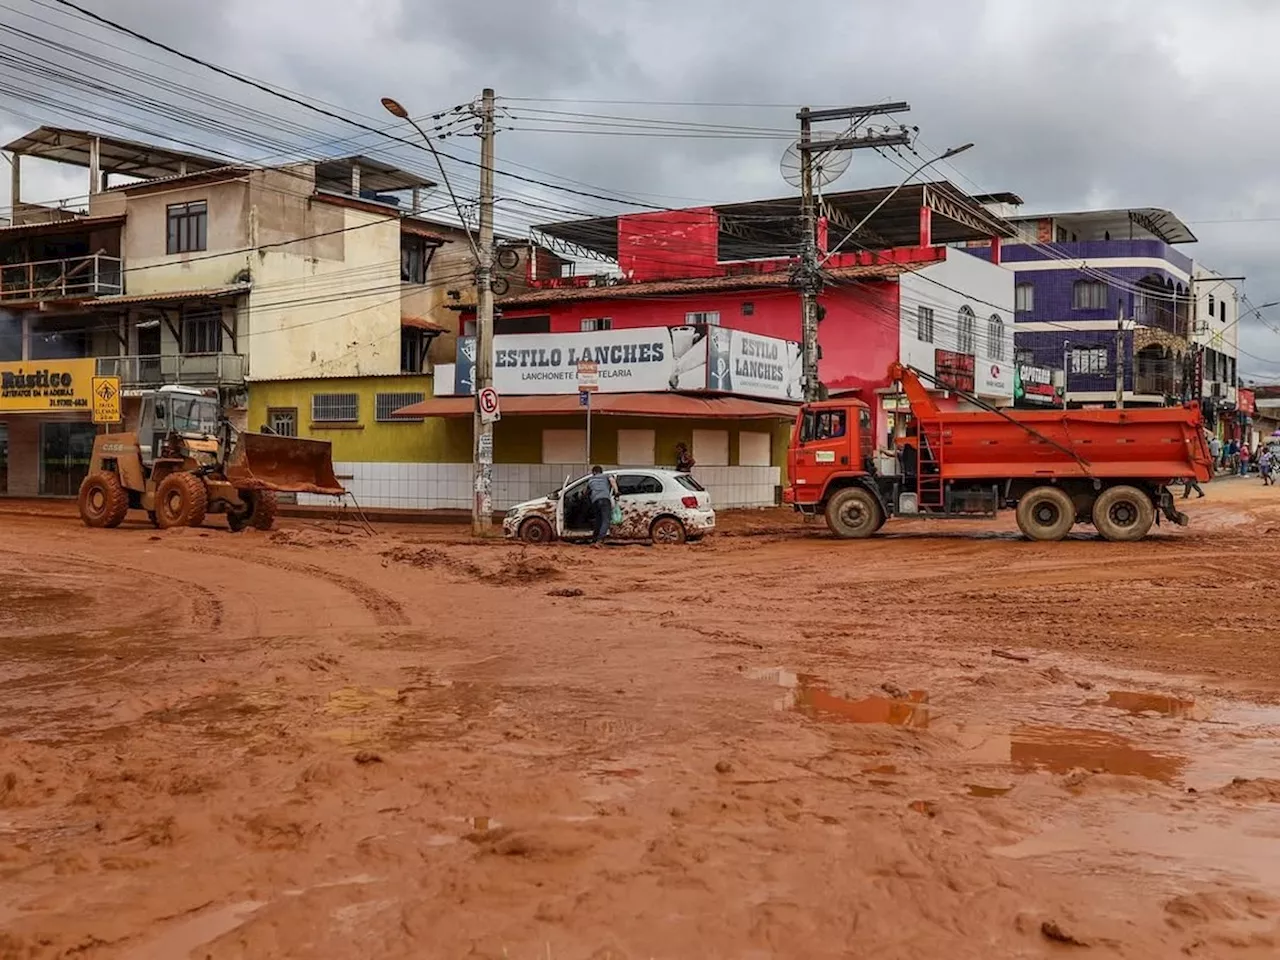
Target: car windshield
column 193, row 414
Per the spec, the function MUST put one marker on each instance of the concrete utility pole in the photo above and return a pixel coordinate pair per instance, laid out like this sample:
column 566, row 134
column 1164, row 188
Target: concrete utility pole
column 809, row 276
column 1120, row 358
column 482, row 508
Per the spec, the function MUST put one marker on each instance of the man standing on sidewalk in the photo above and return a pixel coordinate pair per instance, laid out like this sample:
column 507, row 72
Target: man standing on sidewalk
column 1215, row 451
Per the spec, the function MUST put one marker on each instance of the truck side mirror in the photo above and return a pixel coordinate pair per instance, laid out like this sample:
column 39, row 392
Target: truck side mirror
column 159, row 411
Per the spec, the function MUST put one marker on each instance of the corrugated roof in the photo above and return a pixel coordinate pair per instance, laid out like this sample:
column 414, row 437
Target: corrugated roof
column 208, row 293
column 713, row 407
column 422, row 323
column 748, row 281
column 74, row 225
column 115, row 155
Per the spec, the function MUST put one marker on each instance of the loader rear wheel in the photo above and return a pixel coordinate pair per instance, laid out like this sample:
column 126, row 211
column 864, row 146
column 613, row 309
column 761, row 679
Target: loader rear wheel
column 1046, row 513
column 181, row 501
column 853, row 513
column 1123, row 514
column 259, row 511
column 103, row 500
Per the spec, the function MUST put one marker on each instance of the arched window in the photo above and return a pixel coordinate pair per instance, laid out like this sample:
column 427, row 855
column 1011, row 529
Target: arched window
column 995, row 337
column 964, row 330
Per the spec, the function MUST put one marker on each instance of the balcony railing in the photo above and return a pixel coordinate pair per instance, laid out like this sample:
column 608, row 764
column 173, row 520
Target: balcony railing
column 73, row 278
column 191, row 369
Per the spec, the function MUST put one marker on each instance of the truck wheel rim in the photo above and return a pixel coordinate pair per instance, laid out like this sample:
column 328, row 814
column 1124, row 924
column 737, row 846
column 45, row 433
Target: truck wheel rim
column 854, row 514
column 1123, row 514
column 1046, row 514
column 97, row 501
column 174, row 503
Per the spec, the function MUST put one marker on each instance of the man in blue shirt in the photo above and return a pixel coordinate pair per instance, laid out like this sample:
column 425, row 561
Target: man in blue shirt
column 601, row 490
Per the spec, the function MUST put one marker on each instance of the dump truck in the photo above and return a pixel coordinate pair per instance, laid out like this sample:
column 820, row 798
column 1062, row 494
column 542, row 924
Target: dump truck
column 183, row 460
column 1054, row 468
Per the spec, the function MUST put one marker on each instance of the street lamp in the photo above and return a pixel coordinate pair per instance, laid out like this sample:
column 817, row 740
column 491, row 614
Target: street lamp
column 396, row 109
column 954, row 151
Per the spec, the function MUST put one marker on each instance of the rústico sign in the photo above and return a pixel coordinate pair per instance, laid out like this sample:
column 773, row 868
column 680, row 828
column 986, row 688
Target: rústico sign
column 46, row 386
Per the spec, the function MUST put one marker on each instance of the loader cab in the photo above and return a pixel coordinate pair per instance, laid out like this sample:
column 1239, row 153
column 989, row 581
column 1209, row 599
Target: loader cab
column 179, row 410
column 829, row 438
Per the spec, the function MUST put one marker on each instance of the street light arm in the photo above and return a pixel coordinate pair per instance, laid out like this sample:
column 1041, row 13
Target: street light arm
column 889, row 196
column 396, row 110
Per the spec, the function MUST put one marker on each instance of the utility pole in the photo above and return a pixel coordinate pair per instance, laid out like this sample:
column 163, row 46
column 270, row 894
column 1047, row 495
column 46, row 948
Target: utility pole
column 809, row 276
column 482, row 506
column 1120, row 357
column 1066, row 372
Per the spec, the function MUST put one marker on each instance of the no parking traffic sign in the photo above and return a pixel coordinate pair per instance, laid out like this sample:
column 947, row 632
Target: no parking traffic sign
column 489, row 411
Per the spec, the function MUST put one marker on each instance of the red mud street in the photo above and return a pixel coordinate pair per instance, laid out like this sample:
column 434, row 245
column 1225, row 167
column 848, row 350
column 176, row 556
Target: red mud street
column 944, row 742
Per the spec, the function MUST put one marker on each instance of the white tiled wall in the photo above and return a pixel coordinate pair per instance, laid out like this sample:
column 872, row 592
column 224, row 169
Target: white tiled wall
column 435, row 486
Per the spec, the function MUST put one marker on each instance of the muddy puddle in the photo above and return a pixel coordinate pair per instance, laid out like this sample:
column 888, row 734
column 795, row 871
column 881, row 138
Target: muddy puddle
column 811, row 697
column 1156, row 704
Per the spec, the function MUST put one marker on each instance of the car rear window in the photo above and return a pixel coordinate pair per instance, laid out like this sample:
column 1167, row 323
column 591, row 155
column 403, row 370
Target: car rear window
column 689, row 483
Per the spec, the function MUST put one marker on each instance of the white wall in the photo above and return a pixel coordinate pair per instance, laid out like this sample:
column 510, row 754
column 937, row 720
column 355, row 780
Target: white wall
column 962, row 279
column 1214, row 332
column 447, row 486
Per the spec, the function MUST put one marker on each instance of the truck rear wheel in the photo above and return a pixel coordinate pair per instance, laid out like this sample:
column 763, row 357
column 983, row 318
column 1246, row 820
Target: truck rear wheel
column 1123, row 513
column 181, row 501
column 103, row 500
column 1046, row 513
column 853, row 513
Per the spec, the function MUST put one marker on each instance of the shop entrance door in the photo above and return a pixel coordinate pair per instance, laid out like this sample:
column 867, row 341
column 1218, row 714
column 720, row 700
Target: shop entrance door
column 65, row 452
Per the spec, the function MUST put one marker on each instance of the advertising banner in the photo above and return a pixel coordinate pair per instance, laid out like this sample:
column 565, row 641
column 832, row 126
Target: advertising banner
column 753, row 366
column 641, row 360
column 46, row 386
column 954, row 370
column 1035, row 385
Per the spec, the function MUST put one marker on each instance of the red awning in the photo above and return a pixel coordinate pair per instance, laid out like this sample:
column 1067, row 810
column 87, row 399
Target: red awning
column 618, row 404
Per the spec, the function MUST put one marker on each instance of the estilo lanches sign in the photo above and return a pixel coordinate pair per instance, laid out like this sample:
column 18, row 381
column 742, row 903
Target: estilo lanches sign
column 640, row 360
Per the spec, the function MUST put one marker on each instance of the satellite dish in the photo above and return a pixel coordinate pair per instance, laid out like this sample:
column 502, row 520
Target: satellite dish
column 826, row 165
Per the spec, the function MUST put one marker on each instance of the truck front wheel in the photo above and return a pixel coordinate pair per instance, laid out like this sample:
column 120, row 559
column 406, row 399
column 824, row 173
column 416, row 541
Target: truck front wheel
column 853, row 513
column 1046, row 513
column 1123, row 514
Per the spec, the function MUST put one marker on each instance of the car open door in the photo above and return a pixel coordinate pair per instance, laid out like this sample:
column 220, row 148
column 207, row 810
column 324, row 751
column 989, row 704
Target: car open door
column 564, row 490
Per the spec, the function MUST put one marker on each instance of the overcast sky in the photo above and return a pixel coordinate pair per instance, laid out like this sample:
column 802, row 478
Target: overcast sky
column 1071, row 103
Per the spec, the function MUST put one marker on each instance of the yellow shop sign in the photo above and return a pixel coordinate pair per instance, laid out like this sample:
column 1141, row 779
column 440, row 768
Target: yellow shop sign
column 46, row 386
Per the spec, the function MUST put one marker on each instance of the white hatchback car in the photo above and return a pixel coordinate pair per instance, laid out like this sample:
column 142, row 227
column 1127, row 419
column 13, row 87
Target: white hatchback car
column 658, row 505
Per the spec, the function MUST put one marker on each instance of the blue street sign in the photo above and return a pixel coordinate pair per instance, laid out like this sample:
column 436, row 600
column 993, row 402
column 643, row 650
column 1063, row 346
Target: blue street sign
column 584, row 399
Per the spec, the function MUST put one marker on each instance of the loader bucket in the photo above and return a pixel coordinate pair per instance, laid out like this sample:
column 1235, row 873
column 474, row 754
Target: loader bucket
column 262, row 461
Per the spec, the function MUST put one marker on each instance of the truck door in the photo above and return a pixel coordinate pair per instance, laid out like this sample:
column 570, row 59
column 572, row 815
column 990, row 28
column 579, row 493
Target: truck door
column 824, row 448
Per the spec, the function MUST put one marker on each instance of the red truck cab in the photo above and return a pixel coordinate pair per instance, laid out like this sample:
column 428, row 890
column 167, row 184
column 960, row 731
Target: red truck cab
column 829, row 440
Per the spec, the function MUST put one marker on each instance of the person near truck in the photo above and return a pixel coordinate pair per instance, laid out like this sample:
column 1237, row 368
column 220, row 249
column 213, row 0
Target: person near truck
column 1266, row 465
column 1215, row 451
column 601, row 490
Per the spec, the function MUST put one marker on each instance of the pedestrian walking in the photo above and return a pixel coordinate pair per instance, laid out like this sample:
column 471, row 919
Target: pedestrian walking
column 1230, row 454
column 1266, row 467
column 1189, row 484
column 1245, row 458
column 1215, row 451
column 601, row 490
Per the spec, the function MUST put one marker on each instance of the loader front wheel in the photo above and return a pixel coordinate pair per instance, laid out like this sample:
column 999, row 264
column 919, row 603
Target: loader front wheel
column 1046, row 513
column 853, row 513
column 259, row 511
column 181, row 501
column 103, row 500
column 1123, row 514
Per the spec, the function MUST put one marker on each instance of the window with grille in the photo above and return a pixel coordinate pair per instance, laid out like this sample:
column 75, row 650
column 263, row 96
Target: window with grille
column 335, row 407
column 596, row 323
column 924, row 324
column 202, row 331
column 1024, row 298
column 995, row 337
column 711, row 317
column 964, row 330
column 386, row 405
column 1088, row 295
column 283, row 421
column 1089, row 360
column 188, row 226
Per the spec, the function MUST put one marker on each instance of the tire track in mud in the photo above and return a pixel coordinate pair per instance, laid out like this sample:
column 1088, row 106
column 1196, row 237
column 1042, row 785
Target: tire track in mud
column 385, row 609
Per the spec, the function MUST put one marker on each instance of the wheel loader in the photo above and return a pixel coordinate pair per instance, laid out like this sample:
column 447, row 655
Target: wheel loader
column 184, row 461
